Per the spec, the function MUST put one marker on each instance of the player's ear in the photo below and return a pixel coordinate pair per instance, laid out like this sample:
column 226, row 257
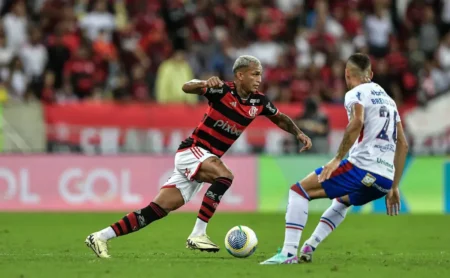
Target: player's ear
column 347, row 73
column 240, row 75
column 371, row 75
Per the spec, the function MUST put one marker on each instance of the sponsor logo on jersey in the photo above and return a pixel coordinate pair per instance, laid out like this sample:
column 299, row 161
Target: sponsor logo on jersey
column 254, row 101
column 385, row 163
column 385, row 148
column 232, row 129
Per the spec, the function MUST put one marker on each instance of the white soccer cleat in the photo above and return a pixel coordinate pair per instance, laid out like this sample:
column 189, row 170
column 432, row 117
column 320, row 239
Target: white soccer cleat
column 306, row 255
column 99, row 246
column 202, row 243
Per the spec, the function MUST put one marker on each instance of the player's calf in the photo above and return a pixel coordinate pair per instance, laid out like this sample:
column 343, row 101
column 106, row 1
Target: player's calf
column 134, row 221
column 167, row 200
column 212, row 198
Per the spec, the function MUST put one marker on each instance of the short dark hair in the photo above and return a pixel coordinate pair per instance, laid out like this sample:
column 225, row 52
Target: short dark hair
column 360, row 60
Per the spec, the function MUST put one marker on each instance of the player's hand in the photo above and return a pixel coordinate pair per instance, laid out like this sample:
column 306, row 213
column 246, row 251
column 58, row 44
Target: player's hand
column 214, row 82
column 329, row 169
column 393, row 202
column 306, row 141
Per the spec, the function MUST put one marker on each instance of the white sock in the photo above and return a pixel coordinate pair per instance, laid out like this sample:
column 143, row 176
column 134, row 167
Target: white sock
column 296, row 217
column 329, row 221
column 107, row 233
column 199, row 228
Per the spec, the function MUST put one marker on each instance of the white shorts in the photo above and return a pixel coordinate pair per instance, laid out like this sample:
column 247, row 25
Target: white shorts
column 187, row 164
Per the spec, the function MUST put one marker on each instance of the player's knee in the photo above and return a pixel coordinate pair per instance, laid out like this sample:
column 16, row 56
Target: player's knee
column 225, row 174
column 229, row 175
column 345, row 200
column 169, row 205
column 298, row 189
column 169, row 199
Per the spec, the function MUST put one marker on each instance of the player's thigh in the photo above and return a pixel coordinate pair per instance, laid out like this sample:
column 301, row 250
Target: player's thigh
column 312, row 187
column 177, row 191
column 213, row 168
column 343, row 181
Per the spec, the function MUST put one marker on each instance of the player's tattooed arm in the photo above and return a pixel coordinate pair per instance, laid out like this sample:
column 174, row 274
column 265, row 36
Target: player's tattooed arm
column 198, row 87
column 352, row 131
column 284, row 122
column 194, row 86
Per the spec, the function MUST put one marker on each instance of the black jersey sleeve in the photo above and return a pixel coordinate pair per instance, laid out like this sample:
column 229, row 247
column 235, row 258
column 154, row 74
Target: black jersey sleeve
column 269, row 109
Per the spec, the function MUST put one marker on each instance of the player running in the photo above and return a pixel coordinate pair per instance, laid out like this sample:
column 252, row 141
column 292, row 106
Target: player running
column 373, row 169
column 232, row 107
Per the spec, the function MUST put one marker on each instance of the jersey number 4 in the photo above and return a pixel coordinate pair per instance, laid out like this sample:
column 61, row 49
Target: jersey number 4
column 383, row 135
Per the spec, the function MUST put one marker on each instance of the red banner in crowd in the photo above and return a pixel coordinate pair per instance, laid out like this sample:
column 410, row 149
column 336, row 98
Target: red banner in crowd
column 109, row 125
column 99, row 183
column 163, row 116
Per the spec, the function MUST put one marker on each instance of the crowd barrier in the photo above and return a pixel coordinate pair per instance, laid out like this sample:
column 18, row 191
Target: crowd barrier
column 123, row 183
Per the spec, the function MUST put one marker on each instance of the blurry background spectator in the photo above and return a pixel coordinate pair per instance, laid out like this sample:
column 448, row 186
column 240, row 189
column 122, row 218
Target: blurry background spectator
column 168, row 84
column 314, row 124
column 77, row 50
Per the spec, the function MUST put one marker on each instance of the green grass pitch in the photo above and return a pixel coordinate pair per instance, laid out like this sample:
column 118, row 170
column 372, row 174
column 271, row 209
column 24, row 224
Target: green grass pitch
column 52, row 245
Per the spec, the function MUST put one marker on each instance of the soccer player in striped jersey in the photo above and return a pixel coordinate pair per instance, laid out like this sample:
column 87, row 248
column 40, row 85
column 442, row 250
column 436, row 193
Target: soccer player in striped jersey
column 232, row 107
column 377, row 150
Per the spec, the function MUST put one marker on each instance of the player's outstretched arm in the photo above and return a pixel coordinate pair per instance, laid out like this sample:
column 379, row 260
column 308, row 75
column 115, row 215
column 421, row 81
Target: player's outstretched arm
column 194, row 86
column 284, row 122
column 198, row 87
column 351, row 134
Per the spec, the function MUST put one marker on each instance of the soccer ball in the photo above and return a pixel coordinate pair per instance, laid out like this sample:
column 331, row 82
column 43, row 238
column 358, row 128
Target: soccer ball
column 241, row 241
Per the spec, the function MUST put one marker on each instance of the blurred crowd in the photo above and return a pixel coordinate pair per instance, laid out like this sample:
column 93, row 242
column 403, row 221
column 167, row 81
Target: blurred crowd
column 144, row 50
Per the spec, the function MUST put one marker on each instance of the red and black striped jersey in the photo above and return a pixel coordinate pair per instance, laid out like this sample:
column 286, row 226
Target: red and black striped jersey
column 227, row 117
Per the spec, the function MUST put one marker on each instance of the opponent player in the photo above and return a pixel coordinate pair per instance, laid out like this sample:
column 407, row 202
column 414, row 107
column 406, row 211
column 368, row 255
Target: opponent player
column 372, row 170
column 232, row 107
